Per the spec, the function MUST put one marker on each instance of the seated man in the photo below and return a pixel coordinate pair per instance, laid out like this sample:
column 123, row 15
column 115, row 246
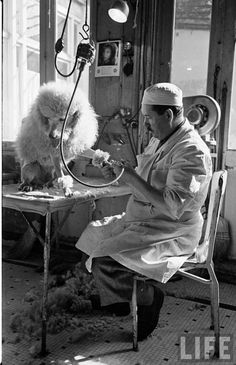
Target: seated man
column 162, row 223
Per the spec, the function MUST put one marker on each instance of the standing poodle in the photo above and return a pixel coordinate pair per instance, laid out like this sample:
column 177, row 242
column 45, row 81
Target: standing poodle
column 38, row 142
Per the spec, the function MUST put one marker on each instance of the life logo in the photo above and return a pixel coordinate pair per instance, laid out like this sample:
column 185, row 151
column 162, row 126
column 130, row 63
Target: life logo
column 193, row 347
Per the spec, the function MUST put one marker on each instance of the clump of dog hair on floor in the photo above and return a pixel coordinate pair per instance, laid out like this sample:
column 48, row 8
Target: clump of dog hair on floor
column 64, row 303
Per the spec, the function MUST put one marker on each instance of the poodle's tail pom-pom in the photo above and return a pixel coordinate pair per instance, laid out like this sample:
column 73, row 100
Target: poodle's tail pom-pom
column 100, row 157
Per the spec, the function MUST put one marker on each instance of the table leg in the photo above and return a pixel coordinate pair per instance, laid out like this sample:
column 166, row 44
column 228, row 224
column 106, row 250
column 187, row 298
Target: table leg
column 46, row 257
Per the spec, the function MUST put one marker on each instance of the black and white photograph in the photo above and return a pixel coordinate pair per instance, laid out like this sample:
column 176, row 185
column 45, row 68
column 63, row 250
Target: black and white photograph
column 108, row 58
column 118, row 166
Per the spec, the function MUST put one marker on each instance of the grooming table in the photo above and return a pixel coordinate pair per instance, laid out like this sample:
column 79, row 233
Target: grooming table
column 47, row 201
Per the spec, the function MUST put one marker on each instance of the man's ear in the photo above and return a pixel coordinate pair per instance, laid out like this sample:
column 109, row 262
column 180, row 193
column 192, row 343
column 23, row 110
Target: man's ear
column 169, row 115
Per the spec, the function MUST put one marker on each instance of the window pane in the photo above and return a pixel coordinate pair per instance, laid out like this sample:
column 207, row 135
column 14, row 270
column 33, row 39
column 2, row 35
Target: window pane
column 32, row 61
column 191, row 46
column 77, row 28
column 20, row 62
column 63, row 67
column 33, row 19
column 232, row 121
column 33, row 78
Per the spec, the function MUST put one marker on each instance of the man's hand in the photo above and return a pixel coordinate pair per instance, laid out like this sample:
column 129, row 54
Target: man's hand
column 113, row 170
column 128, row 175
column 108, row 172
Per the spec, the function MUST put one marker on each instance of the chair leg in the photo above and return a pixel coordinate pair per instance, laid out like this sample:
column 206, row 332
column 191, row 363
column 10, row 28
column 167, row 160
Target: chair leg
column 215, row 308
column 135, row 315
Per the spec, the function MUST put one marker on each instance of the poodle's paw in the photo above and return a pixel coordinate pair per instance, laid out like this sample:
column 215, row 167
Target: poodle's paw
column 66, row 182
column 27, row 187
column 68, row 192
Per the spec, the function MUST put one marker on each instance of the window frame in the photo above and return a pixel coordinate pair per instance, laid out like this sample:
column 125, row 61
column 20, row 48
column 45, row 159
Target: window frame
column 47, row 15
column 221, row 55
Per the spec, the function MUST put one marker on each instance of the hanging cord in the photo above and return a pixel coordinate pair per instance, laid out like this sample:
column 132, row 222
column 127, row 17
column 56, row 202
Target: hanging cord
column 65, row 23
column 60, row 45
column 85, row 54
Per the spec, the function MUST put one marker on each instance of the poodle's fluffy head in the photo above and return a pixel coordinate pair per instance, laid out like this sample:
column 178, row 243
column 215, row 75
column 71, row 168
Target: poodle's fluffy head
column 54, row 97
column 51, row 106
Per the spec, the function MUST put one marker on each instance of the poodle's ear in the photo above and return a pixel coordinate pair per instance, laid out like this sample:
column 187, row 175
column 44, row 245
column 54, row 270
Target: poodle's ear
column 74, row 119
column 24, row 120
column 43, row 120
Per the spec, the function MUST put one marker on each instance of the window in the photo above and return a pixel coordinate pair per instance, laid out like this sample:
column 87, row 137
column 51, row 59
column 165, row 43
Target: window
column 20, row 61
column 191, row 46
column 21, row 55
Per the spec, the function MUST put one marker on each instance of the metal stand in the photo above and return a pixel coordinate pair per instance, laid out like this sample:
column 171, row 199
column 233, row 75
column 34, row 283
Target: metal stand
column 46, row 258
column 135, row 315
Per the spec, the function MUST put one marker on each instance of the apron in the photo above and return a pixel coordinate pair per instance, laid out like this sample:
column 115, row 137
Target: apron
column 155, row 241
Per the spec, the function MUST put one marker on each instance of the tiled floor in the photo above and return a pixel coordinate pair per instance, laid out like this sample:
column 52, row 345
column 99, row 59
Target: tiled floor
column 107, row 340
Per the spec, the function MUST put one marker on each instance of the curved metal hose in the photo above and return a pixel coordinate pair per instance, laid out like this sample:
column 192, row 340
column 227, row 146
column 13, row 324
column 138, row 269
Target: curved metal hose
column 61, row 142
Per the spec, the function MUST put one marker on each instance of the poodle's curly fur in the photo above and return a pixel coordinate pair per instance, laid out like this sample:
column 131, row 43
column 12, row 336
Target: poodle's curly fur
column 37, row 144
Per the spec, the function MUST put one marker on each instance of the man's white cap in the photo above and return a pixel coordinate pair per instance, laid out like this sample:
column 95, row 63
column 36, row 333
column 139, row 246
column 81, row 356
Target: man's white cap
column 163, row 93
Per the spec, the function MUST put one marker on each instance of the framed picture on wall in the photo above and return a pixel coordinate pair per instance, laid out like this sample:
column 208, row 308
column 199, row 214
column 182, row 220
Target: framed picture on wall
column 108, row 58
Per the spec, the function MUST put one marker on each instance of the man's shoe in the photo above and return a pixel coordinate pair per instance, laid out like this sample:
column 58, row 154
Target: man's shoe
column 119, row 309
column 148, row 315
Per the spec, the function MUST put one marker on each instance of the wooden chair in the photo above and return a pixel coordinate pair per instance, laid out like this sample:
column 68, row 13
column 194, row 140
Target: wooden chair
column 202, row 259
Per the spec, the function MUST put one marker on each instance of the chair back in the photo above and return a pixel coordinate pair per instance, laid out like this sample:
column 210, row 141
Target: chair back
column 217, row 190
